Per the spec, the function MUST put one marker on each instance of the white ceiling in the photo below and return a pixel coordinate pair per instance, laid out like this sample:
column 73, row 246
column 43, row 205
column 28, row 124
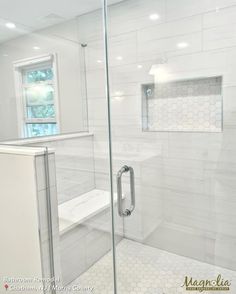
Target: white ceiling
column 31, row 15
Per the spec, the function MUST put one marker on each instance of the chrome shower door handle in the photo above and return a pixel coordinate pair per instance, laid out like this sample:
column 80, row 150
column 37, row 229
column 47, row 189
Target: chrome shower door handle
column 127, row 211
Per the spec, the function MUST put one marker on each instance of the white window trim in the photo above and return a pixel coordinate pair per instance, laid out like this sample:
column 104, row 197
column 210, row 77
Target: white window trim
column 17, row 66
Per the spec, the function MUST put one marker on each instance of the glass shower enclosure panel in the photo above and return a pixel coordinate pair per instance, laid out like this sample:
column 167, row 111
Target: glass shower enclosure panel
column 134, row 104
column 173, row 145
column 53, row 95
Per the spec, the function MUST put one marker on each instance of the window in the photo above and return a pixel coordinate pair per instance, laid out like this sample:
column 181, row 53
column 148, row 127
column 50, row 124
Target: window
column 37, row 96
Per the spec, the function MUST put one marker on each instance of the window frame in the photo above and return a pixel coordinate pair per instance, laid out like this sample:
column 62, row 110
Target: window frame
column 20, row 67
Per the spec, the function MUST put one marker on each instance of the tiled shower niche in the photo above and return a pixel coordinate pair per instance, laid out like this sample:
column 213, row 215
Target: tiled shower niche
column 183, row 106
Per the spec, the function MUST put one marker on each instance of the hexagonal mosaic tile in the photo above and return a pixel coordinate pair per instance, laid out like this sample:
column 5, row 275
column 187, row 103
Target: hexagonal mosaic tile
column 184, row 106
column 142, row 269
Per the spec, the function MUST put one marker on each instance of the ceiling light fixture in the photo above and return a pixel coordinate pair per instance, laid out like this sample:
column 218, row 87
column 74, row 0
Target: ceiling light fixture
column 154, row 16
column 36, row 48
column 119, row 93
column 139, row 66
column 182, row 45
column 118, row 96
column 119, row 58
column 10, row 25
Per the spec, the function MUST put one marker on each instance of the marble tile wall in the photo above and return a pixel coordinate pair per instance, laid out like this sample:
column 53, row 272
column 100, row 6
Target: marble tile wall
column 74, row 166
column 72, row 175
column 85, row 244
column 21, row 199
column 187, row 179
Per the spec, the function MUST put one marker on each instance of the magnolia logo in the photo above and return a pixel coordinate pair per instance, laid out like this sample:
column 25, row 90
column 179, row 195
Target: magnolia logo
column 218, row 284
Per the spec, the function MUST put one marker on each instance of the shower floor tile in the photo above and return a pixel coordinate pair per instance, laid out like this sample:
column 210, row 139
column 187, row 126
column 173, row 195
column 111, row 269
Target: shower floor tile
column 142, row 269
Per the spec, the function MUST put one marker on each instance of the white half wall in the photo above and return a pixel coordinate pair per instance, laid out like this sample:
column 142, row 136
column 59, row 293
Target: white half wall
column 19, row 247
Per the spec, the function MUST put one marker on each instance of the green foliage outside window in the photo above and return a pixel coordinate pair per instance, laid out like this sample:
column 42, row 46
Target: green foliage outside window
column 39, row 75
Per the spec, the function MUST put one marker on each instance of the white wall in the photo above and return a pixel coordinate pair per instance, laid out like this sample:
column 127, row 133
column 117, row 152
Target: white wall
column 24, row 251
column 20, row 248
column 187, row 179
column 62, row 40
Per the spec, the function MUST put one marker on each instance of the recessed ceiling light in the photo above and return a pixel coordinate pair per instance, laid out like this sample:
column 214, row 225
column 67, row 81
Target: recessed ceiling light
column 5, row 55
column 119, row 58
column 36, row 48
column 154, row 16
column 99, row 61
column 119, row 93
column 182, row 45
column 161, row 73
column 10, row 25
column 139, row 66
column 118, row 96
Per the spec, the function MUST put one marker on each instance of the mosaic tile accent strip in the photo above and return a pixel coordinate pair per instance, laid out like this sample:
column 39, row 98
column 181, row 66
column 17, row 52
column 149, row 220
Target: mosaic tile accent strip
column 192, row 106
column 142, row 269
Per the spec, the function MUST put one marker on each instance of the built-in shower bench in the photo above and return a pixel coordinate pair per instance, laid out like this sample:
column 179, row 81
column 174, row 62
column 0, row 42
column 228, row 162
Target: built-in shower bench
column 85, row 228
column 82, row 208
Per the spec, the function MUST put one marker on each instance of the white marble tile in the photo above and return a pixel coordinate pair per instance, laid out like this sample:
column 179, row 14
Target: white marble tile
column 97, row 243
column 185, row 8
column 74, row 167
column 219, row 37
column 82, row 208
column 170, row 29
column 73, row 257
column 220, row 17
column 187, row 176
column 229, row 100
column 151, row 49
column 85, row 244
column 132, row 15
column 95, row 79
column 122, row 49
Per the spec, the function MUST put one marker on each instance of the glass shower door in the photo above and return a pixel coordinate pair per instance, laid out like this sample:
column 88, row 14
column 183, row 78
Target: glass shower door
column 52, row 94
column 173, row 145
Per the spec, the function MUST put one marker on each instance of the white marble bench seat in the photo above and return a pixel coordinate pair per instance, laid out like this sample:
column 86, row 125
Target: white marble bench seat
column 82, row 208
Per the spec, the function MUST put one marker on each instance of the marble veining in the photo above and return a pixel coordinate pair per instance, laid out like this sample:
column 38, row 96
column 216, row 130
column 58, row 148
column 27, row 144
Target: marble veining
column 82, row 208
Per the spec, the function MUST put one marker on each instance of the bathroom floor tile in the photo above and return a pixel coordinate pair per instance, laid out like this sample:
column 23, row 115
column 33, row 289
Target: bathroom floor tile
column 142, row 269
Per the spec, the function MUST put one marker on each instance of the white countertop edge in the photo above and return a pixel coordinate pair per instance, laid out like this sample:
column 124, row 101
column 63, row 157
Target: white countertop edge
column 36, row 140
column 23, row 150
